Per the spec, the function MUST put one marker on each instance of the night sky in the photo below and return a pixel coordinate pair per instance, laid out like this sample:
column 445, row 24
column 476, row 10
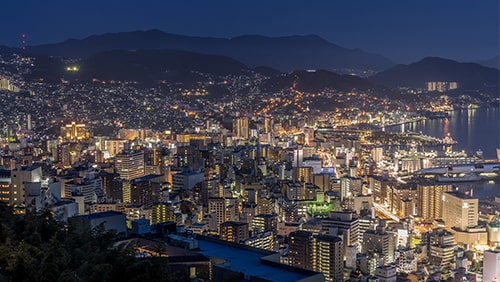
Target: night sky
column 404, row 31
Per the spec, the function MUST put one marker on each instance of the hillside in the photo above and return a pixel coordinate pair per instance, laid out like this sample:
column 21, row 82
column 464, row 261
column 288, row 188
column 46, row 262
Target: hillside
column 470, row 76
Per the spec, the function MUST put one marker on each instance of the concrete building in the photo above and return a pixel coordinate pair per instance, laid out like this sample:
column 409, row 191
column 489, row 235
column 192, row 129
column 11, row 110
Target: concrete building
column 460, row 211
column 19, row 177
column 381, row 242
column 130, row 164
column 110, row 221
column 320, row 253
column 430, row 200
column 234, row 231
column 491, row 266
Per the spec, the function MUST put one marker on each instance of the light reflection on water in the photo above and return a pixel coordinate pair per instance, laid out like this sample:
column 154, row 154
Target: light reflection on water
column 474, row 129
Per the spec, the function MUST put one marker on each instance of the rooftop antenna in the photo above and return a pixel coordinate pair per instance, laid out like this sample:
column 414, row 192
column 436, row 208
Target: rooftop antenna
column 23, row 42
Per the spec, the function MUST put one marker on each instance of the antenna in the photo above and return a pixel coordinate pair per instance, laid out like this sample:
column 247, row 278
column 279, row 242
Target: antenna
column 23, row 42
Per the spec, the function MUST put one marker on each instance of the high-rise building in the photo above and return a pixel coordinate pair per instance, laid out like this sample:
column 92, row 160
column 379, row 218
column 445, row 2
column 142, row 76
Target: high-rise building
column 491, row 266
column 20, row 176
column 130, row 164
column 210, row 188
column 298, row 157
column 302, row 174
column 460, row 211
column 264, row 205
column 344, row 223
column 143, row 191
column 217, row 206
column 186, row 180
column 240, row 127
column 300, row 250
column 75, row 132
column 114, row 147
column 440, row 246
column 86, row 187
column 234, row 231
column 329, row 259
column 381, row 242
column 430, row 200
column 320, row 253
column 264, row 222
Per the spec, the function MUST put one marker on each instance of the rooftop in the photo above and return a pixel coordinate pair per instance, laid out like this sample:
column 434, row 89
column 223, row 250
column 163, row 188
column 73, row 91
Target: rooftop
column 101, row 214
column 460, row 195
column 248, row 261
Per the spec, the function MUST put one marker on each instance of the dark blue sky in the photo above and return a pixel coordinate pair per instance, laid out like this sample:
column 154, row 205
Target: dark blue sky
column 404, row 31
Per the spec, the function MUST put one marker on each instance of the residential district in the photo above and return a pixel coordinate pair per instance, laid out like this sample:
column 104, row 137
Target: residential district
column 242, row 189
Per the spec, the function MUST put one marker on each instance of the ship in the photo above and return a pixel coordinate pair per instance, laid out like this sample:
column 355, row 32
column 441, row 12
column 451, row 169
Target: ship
column 466, row 168
column 466, row 178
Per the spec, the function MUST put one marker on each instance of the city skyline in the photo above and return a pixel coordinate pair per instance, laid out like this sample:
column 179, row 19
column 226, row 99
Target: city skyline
column 403, row 32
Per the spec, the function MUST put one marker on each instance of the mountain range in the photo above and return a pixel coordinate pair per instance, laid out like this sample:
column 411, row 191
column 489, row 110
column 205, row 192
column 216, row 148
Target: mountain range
column 298, row 52
column 151, row 56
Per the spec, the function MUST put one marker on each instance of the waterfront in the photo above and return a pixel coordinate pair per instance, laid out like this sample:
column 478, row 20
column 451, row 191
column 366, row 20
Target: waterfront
column 473, row 129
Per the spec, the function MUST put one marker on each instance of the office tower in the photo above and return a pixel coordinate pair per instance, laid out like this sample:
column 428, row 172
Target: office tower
column 491, row 266
column 218, row 207
column 75, row 132
column 429, row 200
column 234, row 231
column 107, row 180
column 130, row 164
column 68, row 153
column 240, row 127
column 381, row 242
column 114, row 147
column 460, row 211
column 302, row 174
column 143, row 191
column 440, row 247
column 86, row 187
column 343, row 223
column 400, row 198
column 210, row 188
column 298, row 157
column 322, row 181
column 268, row 124
column 120, row 190
column 232, row 210
column 378, row 186
column 320, row 253
column 186, row 180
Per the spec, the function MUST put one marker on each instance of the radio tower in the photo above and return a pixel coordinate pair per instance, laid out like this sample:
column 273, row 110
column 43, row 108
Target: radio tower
column 23, row 42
